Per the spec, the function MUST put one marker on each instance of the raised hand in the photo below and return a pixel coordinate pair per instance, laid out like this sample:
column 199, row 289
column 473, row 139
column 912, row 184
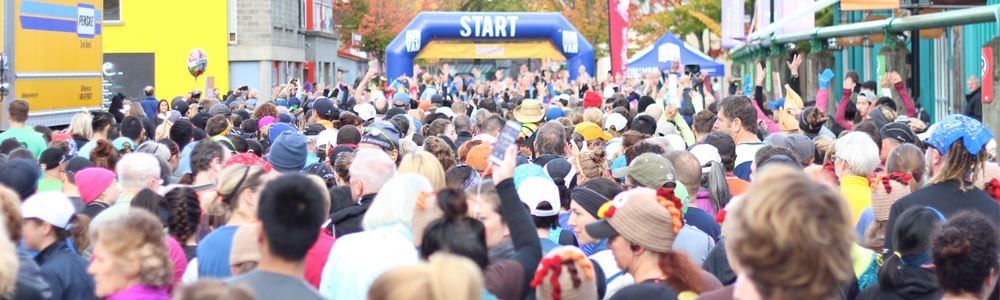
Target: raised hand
column 794, row 65
column 896, row 78
column 849, row 83
column 670, row 111
column 824, row 78
column 886, row 80
column 684, row 82
column 761, row 74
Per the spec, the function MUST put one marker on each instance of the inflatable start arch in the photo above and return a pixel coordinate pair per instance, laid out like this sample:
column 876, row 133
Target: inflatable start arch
column 490, row 28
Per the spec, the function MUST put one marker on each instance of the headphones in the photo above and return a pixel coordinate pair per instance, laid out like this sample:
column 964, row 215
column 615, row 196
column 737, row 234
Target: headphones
column 635, row 247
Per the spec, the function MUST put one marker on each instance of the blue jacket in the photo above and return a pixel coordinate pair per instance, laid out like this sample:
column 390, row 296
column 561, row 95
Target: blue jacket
column 30, row 284
column 66, row 272
column 149, row 106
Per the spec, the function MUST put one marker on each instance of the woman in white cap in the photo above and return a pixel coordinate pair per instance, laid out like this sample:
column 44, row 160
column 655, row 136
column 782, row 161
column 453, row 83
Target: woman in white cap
column 49, row 220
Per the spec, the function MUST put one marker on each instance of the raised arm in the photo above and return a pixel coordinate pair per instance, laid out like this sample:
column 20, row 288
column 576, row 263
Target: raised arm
column 358, row 95
column 671, row 114
column 823, row 95
column 897, row 83
column 793, row 68
column 527, row 246
column 772, row 127
column 838, row 116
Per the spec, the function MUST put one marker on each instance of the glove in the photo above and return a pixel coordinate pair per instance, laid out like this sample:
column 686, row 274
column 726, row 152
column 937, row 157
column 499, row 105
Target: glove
column 824, row 78
column 747, row 89
column 776, row 104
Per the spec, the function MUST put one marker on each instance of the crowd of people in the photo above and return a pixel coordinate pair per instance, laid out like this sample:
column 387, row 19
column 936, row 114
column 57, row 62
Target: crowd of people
column 657, row 187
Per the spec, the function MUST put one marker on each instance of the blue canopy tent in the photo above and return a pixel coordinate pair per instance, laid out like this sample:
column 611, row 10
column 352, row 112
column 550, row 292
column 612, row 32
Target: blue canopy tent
column 665, row 50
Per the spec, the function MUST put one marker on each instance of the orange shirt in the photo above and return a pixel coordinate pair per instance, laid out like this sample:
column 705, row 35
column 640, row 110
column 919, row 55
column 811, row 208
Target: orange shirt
column 737, row 186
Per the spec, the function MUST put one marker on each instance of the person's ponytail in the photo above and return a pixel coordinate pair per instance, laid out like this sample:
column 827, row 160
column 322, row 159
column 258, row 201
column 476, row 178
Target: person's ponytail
column 217, row 210
column 453, row 204
column 681, row 273
column 718, row 188
column 455, row 232
column 890, row 273
column 564, row 197
column 79, row 225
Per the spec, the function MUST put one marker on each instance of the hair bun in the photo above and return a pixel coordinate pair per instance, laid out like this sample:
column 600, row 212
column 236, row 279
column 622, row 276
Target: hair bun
column 452, row 202
column 954, row 242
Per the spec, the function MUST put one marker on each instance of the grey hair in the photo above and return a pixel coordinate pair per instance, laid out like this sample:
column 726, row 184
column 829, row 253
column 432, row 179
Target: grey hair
column 373, row 168
column 135, row 169
column 859, row 151
column 718, row 189
column 156, row 149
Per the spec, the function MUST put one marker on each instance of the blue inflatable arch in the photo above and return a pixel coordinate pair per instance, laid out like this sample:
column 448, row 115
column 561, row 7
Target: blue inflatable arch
column 488, row 27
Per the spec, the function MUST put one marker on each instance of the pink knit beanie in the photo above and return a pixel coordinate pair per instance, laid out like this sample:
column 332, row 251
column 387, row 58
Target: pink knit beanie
column 92, row 182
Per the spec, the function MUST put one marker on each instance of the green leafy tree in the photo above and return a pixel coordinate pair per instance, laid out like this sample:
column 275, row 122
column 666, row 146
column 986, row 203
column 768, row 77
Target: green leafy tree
column 590, row 17
column 378, row 22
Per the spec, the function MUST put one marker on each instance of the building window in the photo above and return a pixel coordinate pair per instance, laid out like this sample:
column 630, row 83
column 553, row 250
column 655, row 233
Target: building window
column 231, row 25
column 112, row 11
column 302, row 15
column 323, row 16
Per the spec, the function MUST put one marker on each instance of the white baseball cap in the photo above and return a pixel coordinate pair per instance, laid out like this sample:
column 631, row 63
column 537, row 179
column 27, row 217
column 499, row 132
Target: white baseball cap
column 676, row 141
column 705, row 153
column 535, row 191
column 51, row 207
column 327, row 137
column 617, row 120
column 366, row 111
column 446, row 111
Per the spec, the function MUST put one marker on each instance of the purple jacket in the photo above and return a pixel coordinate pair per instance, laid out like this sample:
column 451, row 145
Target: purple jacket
column 704, row 202
column 140, row 292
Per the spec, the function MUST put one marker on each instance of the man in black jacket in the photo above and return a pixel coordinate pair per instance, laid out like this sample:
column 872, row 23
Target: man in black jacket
column 951, row 155
column 974, row 101
column 370, row 170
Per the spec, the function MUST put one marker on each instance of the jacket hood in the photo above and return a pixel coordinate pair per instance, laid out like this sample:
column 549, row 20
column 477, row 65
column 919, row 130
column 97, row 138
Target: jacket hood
column 916, row 282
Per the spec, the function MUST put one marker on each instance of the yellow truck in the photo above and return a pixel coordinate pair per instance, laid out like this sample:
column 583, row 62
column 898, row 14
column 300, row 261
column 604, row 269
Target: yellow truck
column 51, row 57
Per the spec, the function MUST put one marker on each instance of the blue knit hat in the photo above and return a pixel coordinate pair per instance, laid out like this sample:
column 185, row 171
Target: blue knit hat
column 526, row 171
column 277, row 129
column 288, row 153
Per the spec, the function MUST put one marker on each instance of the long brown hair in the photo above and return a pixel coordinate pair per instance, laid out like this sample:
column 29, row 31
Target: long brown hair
column 958, row 164
column 681, row 273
